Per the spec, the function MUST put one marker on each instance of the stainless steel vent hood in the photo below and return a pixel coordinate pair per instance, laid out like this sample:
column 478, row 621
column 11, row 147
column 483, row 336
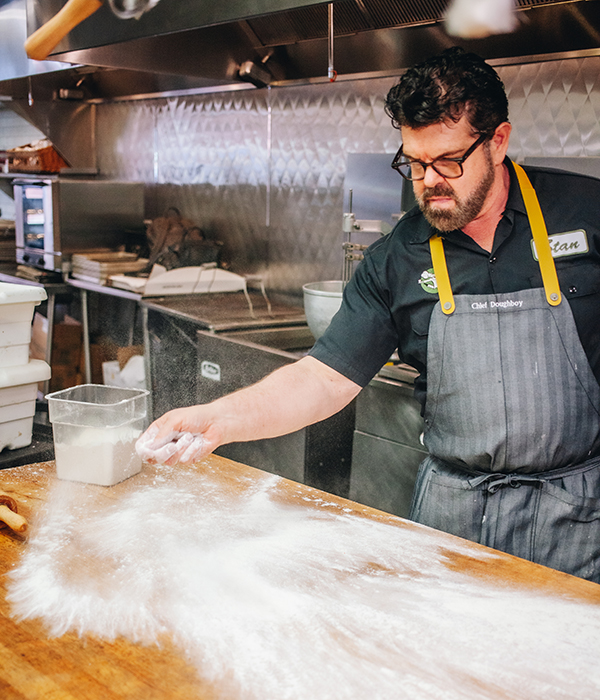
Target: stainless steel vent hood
column 187, row 46
column 210, row 40
column 181, row 46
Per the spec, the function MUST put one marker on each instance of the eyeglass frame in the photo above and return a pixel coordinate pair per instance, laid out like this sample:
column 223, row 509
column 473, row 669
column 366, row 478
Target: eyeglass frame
column 431, row 164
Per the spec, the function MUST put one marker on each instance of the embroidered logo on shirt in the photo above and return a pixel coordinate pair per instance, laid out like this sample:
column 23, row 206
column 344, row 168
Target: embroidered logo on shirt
column 569, row 243
column 428, row 281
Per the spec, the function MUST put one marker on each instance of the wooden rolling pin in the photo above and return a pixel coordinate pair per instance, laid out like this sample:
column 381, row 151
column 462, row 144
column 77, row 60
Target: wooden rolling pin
column 9, row 514
column 43, row 41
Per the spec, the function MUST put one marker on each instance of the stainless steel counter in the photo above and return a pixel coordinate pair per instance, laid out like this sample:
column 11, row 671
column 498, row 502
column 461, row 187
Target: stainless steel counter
column 387, row 447
column 226, row 312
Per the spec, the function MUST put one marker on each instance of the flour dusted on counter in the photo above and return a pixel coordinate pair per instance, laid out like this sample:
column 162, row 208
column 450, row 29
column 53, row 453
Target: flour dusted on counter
column 103, row 456
column 276, row 601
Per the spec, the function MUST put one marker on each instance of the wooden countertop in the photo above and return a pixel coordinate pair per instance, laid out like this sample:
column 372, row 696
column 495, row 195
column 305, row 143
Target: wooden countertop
column 35, row 667
column 467, row 587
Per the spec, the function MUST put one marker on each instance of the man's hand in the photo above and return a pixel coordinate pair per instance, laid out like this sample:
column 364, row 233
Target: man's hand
column 181, row 436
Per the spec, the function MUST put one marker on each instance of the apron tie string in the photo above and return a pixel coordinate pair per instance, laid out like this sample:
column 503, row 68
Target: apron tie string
column 495, row 481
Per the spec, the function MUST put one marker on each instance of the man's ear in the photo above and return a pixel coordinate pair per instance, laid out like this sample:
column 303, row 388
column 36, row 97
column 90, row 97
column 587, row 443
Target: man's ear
column 499, row 142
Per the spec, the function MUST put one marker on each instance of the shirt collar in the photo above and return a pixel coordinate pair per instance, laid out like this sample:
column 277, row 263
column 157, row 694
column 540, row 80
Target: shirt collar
column 423, row 230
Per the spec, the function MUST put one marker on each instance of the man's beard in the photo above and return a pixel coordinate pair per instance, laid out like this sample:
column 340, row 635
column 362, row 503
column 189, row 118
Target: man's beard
column 465, row 210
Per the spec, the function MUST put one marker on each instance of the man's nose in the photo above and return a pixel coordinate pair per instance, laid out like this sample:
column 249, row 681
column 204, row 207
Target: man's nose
column 432, row 178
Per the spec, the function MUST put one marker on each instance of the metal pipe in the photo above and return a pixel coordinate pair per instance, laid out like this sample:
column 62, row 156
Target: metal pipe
column 147, row 363
column 331, row 73
column 49, row 337
column 86, row 337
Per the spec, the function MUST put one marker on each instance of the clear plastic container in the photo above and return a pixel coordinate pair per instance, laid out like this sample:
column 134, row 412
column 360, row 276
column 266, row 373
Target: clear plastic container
column 95, row 430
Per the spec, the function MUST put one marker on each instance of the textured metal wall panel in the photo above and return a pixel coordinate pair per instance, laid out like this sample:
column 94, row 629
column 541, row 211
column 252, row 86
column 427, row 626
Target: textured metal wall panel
column 206, row 156
column 125, row 140
column 264, row 170
column 554, row 107
column 313, row 132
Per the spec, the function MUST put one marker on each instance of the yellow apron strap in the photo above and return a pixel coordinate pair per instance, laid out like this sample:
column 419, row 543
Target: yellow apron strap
column 540, row 238
column 440, row 270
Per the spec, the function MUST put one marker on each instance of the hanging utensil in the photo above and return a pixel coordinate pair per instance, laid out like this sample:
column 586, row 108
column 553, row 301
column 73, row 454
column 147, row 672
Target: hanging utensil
column 131, row 9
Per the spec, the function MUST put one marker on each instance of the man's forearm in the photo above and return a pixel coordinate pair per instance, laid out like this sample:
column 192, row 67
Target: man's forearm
column 287, row 400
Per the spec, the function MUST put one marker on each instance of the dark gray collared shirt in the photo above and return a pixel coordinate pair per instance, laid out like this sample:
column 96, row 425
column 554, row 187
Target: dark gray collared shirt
column 388, row 303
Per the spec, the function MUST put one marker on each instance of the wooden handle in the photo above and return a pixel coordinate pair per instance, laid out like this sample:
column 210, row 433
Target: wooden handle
column 6, row 500
column 43, row 41
column 14, row 521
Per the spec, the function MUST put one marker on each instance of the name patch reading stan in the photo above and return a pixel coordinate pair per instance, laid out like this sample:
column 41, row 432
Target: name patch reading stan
column 569, row 243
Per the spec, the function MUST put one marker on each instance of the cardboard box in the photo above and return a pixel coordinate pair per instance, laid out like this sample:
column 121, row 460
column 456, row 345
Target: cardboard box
column 64, row 377
column 103, row 350
column 67, row 341
column 68, row 362
column 125, row 354
column 106, row 351
column 67, row 345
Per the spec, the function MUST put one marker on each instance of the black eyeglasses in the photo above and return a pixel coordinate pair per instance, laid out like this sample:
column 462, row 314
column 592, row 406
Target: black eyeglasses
column 449, row 168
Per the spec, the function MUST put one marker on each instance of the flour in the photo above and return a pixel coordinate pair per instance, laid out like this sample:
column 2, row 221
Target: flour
column 103, row 456
column 297, row 602
column 189, row 446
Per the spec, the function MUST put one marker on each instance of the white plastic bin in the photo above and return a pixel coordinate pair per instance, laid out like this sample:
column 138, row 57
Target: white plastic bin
column 95, row 429
column 17, row 302
column 18, row 391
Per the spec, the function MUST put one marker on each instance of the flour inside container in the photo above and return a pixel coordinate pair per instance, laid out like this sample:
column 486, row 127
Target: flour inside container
column 102, row 456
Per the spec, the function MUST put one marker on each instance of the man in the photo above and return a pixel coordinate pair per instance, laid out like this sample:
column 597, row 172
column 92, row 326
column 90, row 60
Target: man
column 494, row 301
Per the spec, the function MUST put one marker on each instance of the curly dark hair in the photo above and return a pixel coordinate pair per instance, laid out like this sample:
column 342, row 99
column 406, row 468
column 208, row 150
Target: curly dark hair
column 447, row 86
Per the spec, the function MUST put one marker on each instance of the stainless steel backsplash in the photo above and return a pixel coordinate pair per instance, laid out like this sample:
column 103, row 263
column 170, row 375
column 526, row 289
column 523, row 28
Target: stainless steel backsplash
column 263, row 170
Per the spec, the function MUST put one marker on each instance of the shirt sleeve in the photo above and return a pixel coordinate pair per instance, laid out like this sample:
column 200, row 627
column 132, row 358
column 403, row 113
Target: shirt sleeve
column 362, row 335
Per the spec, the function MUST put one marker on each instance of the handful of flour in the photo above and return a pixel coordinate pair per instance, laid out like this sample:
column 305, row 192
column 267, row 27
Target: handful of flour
column 188, row 445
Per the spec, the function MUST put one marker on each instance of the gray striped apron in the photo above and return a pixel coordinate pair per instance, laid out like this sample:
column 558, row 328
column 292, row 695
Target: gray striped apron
column 512, row 421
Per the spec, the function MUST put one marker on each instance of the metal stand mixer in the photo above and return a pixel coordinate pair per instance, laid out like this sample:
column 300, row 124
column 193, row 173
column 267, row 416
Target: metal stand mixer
column 323, row 299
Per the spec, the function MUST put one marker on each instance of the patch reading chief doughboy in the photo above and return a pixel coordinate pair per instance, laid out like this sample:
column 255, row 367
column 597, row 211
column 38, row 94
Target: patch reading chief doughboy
column 428, row 281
